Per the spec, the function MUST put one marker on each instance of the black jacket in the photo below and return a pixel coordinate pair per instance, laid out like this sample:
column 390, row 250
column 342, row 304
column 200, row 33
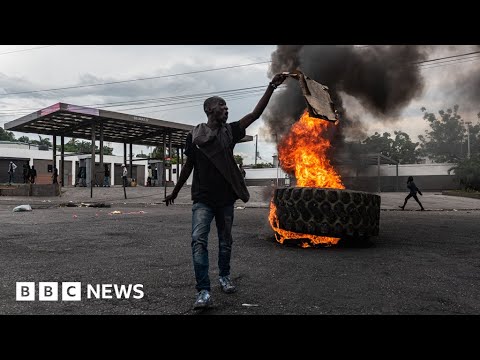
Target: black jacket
column 413, row 188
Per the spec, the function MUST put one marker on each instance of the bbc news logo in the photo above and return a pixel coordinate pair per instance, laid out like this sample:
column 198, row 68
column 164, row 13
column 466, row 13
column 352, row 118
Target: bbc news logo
column 72, row 291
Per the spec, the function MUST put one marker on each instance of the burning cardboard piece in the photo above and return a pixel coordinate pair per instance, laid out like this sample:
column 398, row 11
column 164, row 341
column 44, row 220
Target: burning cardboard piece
column 316, row 95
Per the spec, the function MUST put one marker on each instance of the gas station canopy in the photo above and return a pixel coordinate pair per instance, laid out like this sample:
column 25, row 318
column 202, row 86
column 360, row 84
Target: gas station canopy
column 77, row 122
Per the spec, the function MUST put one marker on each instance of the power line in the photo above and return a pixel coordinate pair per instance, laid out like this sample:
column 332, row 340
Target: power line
column 139, row 79
column 445, row 57
column 193, row 72
column 446, row 60
column 449, row 62
column 232, row 96
column 35, row 48
column 473, row 56
column 200, row 102
column 185, row 102
column 154, row 100
column 177, row 97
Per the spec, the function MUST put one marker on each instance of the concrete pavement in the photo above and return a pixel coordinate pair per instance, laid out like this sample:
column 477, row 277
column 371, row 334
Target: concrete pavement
column 259, row 198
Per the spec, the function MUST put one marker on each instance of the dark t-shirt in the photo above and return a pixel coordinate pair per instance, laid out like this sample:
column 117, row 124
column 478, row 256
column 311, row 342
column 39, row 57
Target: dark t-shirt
column 413, row 188
column 208, row 185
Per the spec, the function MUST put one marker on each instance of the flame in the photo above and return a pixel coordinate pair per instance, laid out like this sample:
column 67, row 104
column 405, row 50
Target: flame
column 281, row 235
column 303, row 152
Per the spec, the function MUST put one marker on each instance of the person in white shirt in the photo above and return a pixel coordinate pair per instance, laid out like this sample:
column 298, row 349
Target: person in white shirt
column 124, row 175
column 11, row 172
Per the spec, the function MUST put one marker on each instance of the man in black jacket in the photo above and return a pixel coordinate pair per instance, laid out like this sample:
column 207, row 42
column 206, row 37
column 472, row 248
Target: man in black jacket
column 217, row 184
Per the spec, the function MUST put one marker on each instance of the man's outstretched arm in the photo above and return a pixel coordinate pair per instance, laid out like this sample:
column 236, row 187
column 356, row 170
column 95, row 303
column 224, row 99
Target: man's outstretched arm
column 248, row 119
column 184, row 174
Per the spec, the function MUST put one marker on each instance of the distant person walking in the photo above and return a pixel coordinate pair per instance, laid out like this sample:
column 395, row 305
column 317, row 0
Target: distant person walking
column 11, row 172
column 413, row 193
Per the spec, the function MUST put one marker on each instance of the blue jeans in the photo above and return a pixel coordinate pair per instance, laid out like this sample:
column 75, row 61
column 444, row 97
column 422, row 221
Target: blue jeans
column 106, row 181
column 202, row 216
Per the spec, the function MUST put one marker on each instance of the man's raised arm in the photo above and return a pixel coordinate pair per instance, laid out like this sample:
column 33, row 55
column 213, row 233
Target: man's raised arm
column 248, row 119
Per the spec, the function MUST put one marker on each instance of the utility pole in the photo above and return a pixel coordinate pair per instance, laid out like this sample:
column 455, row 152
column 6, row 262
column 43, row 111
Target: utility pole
column 468, row 138
column 461, row 141
column 256, row 144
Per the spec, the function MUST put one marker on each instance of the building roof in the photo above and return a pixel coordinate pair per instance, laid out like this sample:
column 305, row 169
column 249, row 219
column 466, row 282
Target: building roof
column 76, row 122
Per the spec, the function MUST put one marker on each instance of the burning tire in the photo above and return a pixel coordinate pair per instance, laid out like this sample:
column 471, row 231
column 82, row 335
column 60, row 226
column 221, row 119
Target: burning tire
column 345, row 214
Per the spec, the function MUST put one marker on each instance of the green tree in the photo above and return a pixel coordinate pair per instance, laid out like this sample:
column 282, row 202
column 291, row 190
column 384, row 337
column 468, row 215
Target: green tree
column 378, row 144
column 71, row 146
column 403, row 149
column 262, row 165
column 24, row 139
column 467, row 173
column 157, row 153
column 474, row 130
column 445, row 142
column 84, row 147
column 107, row 150
column 400, row 149
column 238, row 159
column 43, row 144
column 6, row 135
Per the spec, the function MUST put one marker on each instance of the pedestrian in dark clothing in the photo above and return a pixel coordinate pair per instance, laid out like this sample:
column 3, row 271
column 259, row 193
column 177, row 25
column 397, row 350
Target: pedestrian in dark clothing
column 106, row 179
column 217, row 184
column 26, row 173
column 33, row 174
column 413, row 193
column 55, row 175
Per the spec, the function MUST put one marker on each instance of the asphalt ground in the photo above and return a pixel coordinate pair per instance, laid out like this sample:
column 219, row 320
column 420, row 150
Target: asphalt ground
column 422, row 263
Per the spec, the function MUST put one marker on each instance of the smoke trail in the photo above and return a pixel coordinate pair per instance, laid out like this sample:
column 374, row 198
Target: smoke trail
column 382, row 79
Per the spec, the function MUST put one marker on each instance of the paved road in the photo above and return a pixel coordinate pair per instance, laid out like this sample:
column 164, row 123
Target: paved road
column 421, row 263
column 259, row 197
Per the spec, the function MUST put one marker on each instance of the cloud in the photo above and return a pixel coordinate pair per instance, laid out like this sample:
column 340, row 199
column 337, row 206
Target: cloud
column 392, row 102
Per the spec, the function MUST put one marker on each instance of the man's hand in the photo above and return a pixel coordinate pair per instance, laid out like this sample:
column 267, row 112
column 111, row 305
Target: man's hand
column 278, row 79
column 170, row 199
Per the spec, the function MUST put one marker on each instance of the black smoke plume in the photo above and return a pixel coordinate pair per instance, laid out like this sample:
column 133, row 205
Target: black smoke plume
column 383, row 79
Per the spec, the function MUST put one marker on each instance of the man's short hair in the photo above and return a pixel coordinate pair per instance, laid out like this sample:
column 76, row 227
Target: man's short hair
column 210, row 102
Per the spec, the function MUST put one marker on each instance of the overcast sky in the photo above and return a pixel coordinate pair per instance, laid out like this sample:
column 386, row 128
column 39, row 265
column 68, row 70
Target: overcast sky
column 27, row 68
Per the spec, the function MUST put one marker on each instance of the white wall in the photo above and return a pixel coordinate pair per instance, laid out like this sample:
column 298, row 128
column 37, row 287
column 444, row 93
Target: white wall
column 403, row 170
column 264, row 173
column 19, row 150
column 385, row 170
